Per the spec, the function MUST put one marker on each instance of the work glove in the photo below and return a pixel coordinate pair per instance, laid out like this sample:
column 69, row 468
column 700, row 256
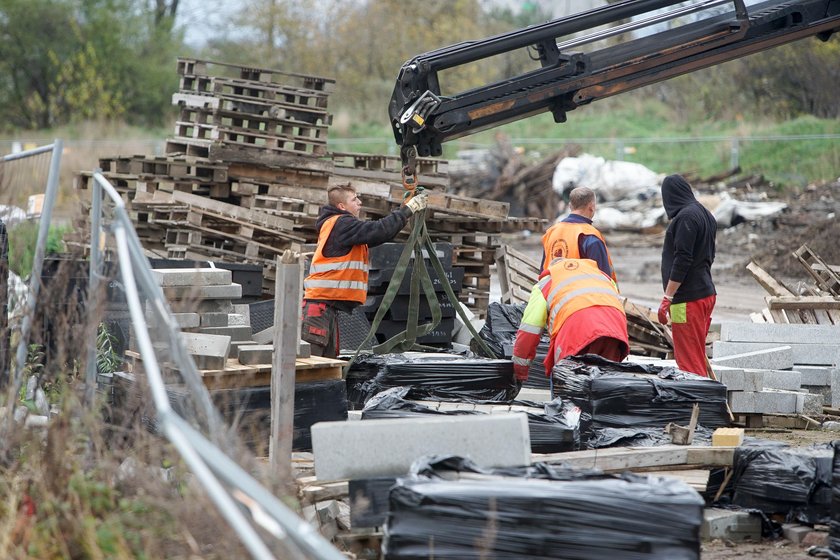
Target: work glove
column 664, row 310
column 417, row 202
column 521, row 372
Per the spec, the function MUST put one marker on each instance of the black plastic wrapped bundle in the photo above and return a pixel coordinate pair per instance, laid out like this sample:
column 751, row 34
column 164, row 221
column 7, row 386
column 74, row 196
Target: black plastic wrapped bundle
column 628, row 395
column 794, row 482
column 541, row 513
column 499, row 330
column 555, row 430
column 444, row 377
column 834, row 524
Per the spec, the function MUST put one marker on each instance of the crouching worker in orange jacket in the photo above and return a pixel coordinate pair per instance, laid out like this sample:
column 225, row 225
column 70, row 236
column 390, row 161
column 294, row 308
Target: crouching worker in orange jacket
column 581, row 307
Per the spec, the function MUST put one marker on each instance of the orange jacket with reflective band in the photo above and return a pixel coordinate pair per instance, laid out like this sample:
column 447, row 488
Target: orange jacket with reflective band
column 577, row 284
column 342, row 278
column 563, row 240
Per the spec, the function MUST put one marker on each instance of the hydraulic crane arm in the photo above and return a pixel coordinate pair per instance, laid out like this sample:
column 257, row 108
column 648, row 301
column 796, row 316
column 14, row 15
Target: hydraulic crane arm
column 569, row 76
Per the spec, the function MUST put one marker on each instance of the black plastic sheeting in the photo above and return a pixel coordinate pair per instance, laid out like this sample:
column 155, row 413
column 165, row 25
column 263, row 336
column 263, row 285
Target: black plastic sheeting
column 833, row 550
column 640, row 437
column 499, row 332
column 440, row 376
column 542, row 512
column 553, row 431
column 630, row 395
column 793, row 482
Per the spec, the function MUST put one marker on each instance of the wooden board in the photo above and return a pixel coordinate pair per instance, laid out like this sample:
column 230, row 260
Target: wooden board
column 773, row 286
column 626, row 458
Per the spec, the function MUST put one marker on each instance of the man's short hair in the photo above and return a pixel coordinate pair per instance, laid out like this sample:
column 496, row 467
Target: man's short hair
column 580, row 197
column 340, row 194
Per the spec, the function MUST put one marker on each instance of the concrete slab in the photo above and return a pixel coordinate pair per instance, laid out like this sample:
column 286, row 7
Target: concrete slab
column 214, row 319
column 816, row 375
column 235, row 333
column 809, row 404
column 821, row 390
column 209, row 351
column 807, row 354
column 265, row 336
column 374, row 448
column 737, row 379
column 765, row 402
column 735, row 526
column 256, row 354
column 788, row 380
column 238, row 319
column 778, row 333
column 776, row 358
column 195, row 293
column 167, row 277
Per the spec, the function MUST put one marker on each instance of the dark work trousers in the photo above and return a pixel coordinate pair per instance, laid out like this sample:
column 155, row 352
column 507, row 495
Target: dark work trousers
column 320, row 328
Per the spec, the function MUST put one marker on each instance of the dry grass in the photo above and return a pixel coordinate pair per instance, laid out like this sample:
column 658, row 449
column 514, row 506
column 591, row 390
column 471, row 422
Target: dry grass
column 97, row 482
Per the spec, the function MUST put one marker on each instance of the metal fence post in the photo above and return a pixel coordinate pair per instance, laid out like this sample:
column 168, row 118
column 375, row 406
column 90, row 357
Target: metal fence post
column 93, row 286
column 734, row 153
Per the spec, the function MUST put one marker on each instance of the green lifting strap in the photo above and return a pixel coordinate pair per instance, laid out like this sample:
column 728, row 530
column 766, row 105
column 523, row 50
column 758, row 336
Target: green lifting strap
column 405, row 341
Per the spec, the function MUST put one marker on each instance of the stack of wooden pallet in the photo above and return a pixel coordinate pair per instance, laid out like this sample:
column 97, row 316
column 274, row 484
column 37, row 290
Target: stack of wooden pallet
column 247, row 170
column 817, row 303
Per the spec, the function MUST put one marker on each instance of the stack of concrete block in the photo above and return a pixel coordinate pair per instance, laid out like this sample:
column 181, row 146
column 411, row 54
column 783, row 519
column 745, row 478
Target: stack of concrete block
column 779, row 368
column 201, row 300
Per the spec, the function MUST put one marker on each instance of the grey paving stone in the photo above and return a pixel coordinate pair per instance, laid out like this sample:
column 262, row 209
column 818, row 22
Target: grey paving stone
column 209, row 351
column 824, row 353
column 778, row 333
column 735, row 526
column 256, row 354
column 196, row 293
column 374, row 448
column 167, row 277
column 214, row 319
column 775, row 358
column 235, row 333
column 789, row 380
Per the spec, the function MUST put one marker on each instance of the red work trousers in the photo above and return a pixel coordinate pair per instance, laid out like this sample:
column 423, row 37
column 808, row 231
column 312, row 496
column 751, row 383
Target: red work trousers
column 690, row 322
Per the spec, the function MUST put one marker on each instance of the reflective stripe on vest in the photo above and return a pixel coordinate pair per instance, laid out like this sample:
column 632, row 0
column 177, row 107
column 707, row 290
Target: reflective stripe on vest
column 343, row 278
column 577, row 284
column 563, row 240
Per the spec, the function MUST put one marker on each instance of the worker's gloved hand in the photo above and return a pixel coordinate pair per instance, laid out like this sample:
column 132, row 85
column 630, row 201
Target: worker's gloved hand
column 521, row 372
column 417, row 202
column 664, row 310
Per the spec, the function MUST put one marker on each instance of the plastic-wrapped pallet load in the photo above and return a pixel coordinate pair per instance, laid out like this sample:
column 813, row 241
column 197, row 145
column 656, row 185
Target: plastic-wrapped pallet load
column 629, row 395
column 441, row 376
column 449, row 509
column 553, row 426
column 499, row 332
column 794, row 482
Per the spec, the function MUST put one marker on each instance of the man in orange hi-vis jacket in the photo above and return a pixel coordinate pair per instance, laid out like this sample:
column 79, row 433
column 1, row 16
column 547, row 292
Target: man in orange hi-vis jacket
column 575, row 237
column 338, row 275
column 581, row 307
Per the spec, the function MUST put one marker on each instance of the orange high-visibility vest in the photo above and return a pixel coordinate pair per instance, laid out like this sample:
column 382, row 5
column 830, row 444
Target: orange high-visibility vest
column 563, row 240
column 342, row 278
column 577, row 284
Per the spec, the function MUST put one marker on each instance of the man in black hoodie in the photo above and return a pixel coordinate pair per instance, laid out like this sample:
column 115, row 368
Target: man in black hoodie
column 338, row 275
column 687, row 257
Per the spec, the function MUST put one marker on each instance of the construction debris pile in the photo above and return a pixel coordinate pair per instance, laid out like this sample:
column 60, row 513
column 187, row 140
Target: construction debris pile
column 244, row 177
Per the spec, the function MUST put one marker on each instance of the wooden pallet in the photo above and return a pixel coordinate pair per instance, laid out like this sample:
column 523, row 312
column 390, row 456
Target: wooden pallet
column 825, row 277
column 272, row 109
column 198, row 67
column 517, row 273
column 237, row 375
column 178, row 167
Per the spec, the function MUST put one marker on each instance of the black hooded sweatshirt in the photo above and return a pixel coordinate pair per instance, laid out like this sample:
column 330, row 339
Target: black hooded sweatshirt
column 689, row 249
column 349, row 231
